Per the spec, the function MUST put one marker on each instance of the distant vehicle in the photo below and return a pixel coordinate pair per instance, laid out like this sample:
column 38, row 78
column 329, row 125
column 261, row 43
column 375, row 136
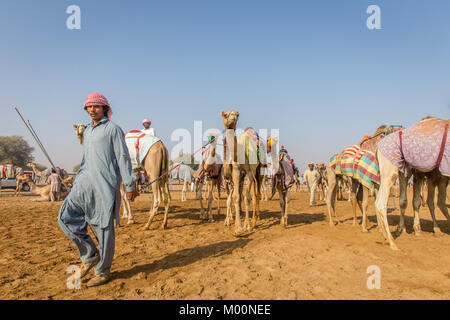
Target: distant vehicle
column 11, row 184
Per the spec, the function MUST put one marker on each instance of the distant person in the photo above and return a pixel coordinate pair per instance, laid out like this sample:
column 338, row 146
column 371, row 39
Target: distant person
column 147, row 130
column 311, row 177
column 55, row 186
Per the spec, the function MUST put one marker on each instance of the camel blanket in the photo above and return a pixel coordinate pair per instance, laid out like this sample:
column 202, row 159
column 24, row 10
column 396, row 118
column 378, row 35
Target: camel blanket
column 183, row 172
column 8, row 171
column 139, row 144
column 421, row 145
column 365, row 170
column 255, row 147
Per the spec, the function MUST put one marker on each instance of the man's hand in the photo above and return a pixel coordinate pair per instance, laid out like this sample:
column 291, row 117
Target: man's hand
column 132, row 195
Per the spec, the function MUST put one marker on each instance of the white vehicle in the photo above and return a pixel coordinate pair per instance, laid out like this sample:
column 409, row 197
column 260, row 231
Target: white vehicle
column 11, row 184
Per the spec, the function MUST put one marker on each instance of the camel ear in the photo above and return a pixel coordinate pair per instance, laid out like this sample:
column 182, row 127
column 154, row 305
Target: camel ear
column 222, row 114
column 75, row 126
column 237, row 114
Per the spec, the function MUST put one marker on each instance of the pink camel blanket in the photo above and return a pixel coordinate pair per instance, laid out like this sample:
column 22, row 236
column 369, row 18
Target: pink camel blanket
column 420, row 147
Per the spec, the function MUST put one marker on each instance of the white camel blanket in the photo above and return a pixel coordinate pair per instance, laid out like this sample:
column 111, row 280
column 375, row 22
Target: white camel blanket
column 139, row 144
column 421, row 147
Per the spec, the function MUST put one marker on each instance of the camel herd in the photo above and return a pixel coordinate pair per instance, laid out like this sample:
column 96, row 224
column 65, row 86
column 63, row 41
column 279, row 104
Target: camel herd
column 245, row 158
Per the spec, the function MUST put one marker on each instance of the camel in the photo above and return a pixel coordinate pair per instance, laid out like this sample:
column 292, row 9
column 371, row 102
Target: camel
column 241, row 158
column 422, row 131
column 212, row 169
column 184, row 174
column 358, row 191
column 322, row 184
column 79, row 131
column 278, row 175
column 44, row 192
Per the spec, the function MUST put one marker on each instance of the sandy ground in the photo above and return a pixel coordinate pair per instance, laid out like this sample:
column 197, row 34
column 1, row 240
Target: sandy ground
column 199, row 260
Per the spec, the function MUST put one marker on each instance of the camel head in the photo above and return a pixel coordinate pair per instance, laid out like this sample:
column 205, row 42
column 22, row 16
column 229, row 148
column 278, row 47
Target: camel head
column 79, row 131
column 230, row 119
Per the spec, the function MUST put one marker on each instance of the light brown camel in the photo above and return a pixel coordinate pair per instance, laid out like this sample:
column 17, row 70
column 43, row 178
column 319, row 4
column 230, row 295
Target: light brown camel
column 156, row 166
column 388, row 175
column 241, row 157
column 44, row 192
column 359, row 193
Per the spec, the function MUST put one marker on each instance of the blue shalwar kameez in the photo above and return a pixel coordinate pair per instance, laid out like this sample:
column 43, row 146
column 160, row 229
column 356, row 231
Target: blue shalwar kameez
column 95, row 196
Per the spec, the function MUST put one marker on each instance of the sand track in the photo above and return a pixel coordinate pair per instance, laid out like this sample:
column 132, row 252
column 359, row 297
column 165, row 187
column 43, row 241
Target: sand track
column 193, row 259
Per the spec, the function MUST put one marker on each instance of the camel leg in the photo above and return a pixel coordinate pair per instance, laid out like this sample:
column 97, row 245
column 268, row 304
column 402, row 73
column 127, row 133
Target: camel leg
column 200, row 198
column 218, row 182
column 229, row 216
column 431, row 186
column 388, row 174
column 210, row 199
column 183, row 192
column 156, row 202
column 417, row 188
column 255, row 201
column 442, row 194
column 355, row 185
column 403, row 203
column 247, row 198
column 127, row 213
column 236, row 194
column 166, row 192
column 331, row 195
column 363, row 204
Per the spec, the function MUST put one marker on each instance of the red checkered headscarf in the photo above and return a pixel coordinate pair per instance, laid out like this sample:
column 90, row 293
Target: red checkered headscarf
column 97, row 99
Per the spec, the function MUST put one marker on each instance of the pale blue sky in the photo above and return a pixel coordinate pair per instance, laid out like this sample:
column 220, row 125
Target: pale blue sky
column 310, row 68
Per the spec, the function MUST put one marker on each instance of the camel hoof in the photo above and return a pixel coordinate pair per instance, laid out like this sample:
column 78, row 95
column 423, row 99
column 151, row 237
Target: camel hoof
column 437, row 232
column 131, row 222
column 417, row 233
column 364, row 230
column 394, row 247
column 239, row 234
column 146, row 228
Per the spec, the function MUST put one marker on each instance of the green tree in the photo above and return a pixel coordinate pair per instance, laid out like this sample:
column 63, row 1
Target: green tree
column 14, row 149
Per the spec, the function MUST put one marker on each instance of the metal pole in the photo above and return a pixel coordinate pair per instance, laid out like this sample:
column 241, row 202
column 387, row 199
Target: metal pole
column 36, row 139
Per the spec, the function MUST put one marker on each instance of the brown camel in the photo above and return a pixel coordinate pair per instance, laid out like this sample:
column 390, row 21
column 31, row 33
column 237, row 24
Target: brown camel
column 211, row 169
column 241, row 157
column 278, row 174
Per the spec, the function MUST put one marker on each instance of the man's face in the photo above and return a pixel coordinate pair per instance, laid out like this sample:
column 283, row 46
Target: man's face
column 96, row 112
column 311, row 167
column 146, row 125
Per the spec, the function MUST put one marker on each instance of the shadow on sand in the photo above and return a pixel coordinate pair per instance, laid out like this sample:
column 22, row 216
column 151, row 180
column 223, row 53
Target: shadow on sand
column 184, row 257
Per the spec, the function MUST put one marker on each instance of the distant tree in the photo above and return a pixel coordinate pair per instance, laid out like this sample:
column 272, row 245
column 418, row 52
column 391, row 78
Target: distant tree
column 76, row 168
column 15, row 150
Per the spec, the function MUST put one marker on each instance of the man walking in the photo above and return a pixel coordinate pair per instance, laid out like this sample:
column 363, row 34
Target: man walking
column 95, row 196
column 311, row 177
